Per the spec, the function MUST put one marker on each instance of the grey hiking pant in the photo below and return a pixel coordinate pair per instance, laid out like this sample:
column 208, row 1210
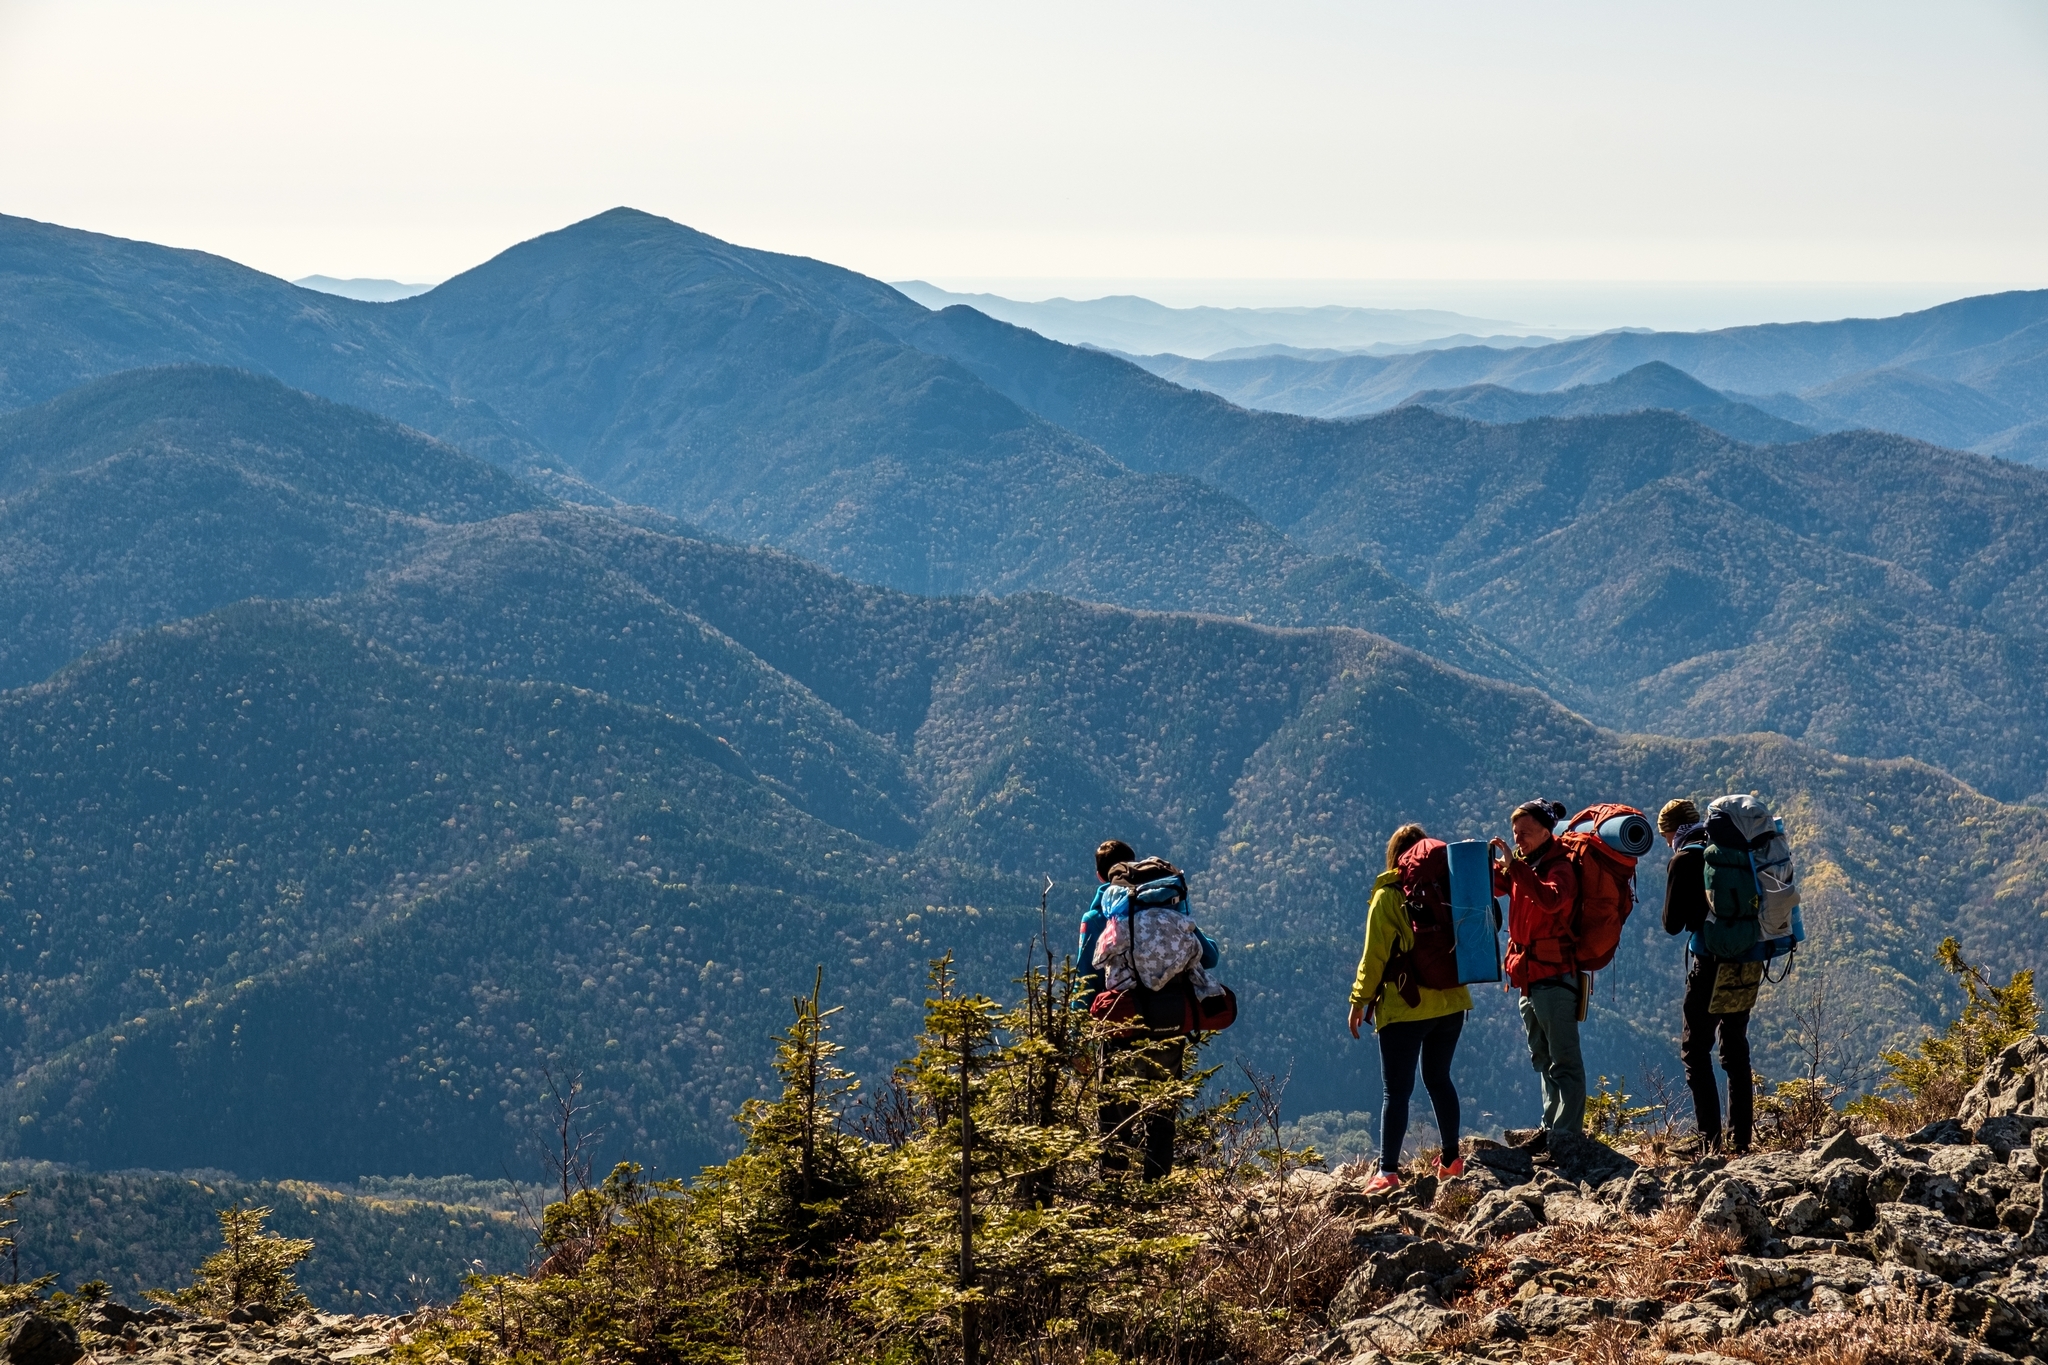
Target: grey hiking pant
column 1550, row 1012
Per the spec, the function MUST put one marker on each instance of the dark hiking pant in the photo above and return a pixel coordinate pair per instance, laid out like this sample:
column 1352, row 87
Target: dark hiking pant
column 1550, row 1014
column 1432, row 1041
column 1695, row 1049
column 1124, row 1126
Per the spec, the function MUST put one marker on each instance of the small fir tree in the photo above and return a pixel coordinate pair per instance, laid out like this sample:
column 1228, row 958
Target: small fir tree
column 253, row 1268
column 1930, row 1081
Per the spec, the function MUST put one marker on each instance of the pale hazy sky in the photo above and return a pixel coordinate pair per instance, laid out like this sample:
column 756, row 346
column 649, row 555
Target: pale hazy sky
column 1100, row 142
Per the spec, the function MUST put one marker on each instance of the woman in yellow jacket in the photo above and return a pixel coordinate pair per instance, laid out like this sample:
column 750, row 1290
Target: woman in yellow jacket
column 1427, row 1031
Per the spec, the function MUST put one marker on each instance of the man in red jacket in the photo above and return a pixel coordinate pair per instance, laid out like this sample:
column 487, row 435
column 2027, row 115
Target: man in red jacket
column 1542, row 888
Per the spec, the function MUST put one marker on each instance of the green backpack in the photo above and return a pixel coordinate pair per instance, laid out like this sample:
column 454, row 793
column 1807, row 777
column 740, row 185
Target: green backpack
column 1749, row 884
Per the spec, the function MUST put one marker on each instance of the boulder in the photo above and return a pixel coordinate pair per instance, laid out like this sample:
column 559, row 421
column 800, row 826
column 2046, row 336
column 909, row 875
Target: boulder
column 1696, row 1324
column 1548, row 1314
column 1501, row 1325
column 40, row 1340
column 1390, row 1267
column 1584, row 1161
column 1642, row 1194
column 1507, row 1165
column 1940, row 1133
column 1924, row 1240
column 1844, row 1187
column 1409, row 1323
column 1802, row 1213
column 2005, row 1134
column 2011, row 1084
column 1500, row 1214
column 1732, row 1207
column 1960, row 1163
column 1775, row 1175
column 1843, row 1146
column 1574, row 1207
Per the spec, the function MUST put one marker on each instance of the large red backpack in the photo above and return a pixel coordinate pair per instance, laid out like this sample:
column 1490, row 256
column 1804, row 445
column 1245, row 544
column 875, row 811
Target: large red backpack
column 1425, row 873
column 1598, row 840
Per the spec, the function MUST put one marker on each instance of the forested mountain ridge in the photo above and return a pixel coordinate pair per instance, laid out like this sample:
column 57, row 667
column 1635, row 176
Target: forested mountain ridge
column 1865, row 591
column 551, row 789
column 789, row 400
column 754, row 394
column 158, row 494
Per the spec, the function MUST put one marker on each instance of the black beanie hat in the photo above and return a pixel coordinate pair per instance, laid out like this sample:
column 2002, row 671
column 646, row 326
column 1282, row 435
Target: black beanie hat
column 1545, row 813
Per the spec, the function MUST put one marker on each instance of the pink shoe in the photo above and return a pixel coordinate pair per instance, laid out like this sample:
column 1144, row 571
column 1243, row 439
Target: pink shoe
column 1381, row 1183
column 1456, row 1168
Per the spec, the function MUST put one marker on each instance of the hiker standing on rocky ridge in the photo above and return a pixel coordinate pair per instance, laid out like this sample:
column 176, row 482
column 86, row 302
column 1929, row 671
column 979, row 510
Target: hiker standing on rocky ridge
column 1154, row 1048
column 1713, row 1004
column 1542, row 888
column 1416, row 1023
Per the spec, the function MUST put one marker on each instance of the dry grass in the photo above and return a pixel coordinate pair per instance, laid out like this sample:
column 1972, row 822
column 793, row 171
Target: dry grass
column 1628, row 1258
column 1905, row 1330
column 1277, row 1268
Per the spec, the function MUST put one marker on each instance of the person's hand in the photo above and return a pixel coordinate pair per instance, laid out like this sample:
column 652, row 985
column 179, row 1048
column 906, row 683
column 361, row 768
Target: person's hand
column 1498, row 845
column 1357, row 1018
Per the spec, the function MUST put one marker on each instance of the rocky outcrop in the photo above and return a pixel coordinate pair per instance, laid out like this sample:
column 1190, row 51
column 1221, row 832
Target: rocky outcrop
column 164, row 1336
column 1542, row 1247
column 2014, row 1085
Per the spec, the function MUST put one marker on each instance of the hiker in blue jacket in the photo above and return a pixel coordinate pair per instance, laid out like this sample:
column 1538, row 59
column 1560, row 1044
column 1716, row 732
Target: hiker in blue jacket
column 1142, row 1057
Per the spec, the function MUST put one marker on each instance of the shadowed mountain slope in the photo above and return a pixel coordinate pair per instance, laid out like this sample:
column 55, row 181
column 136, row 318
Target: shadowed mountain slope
column 758, row 395
column 597, row 796
column 1664, row 568
column 164, row 493
column 789, row 401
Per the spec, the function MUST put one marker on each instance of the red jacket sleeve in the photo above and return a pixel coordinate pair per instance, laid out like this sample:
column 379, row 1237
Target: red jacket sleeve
column 1540, row 902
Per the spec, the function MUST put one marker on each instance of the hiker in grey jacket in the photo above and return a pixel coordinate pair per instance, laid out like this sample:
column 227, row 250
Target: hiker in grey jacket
column 1718, row 995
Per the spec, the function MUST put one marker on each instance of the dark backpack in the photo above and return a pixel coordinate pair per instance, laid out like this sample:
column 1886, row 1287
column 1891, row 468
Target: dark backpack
column 1425, row 879
column 1748, row 869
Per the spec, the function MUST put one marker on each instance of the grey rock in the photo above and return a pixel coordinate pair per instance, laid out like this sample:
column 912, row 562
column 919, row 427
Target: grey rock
column 1509, row 1165
column 1774, row 1175
column 1641, row 1195
column 1548, row 1314
column 1758, row 1279
column 40, row 1340
column 2011, row 1084
column 1501, row 1325
column 1799, row 1215
column 1584, row 1161
column 1962, row 1163
column 1500, row 1214
column 1923, row 1240
column 1843, row 1146
column 2008, row 1133
column 1844, row 1187
column 1941, row 1132
column 1574, row 1207
column 1732, row 1207
column 1695, row 1324
column 1409, row 1322
column 1393, row 1267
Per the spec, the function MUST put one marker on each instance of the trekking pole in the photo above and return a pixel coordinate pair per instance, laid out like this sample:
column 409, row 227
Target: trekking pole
column 969, row 1346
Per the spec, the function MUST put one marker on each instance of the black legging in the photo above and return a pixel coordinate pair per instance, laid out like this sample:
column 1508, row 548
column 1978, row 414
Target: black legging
column 1434, row 1041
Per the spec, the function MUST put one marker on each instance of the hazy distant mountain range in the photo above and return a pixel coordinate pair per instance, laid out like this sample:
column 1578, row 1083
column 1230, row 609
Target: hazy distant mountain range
column 1135, row 325
column 1972, row 374
column 369, row 750
column 369, row 291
